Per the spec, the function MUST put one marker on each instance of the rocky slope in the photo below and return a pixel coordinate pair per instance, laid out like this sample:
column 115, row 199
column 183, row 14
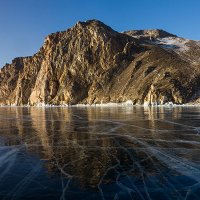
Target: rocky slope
column 91, row 63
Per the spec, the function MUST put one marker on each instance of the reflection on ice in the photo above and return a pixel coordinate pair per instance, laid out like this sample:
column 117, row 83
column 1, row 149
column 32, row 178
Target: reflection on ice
column 100, row 153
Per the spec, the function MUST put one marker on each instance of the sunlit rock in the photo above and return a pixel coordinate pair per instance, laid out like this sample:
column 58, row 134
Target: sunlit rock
column 91, row 63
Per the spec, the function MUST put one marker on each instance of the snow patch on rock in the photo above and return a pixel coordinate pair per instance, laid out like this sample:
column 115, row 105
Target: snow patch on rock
column 174, row 43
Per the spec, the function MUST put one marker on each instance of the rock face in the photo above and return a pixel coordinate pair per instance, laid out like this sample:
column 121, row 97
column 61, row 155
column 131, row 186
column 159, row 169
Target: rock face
column 91, row 63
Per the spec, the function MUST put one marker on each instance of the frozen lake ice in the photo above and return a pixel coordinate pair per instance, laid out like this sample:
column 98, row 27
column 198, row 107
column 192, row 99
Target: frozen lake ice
column 117, row 153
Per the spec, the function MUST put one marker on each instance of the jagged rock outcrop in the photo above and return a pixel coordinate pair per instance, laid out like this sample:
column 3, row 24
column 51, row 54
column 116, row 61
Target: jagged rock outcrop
column 91, row 63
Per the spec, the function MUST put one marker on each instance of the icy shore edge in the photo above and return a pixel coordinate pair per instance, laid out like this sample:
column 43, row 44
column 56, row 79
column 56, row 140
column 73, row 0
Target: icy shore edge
column 110, row 104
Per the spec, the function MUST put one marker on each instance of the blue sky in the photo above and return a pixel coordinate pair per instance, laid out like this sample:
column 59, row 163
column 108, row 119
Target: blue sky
column 25, row 23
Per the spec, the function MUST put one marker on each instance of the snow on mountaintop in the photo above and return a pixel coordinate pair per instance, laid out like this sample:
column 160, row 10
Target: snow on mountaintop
column 174, row 43
column 162, row 38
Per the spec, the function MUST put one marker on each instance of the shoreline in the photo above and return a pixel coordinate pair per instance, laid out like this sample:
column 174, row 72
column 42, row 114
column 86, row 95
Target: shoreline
column 128, row 103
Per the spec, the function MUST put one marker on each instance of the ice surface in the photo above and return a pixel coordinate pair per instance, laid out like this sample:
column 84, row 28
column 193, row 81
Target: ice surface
column 100, row 153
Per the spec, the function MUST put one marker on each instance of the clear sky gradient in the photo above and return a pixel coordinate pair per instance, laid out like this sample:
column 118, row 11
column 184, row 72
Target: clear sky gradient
column 25, row 23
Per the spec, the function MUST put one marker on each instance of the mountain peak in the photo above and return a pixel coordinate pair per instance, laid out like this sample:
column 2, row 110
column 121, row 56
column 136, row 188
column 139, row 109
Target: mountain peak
column 153, row 33
column 92, row 24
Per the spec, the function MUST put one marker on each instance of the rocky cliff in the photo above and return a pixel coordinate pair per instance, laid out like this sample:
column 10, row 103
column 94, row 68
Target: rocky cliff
column 91, row 63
